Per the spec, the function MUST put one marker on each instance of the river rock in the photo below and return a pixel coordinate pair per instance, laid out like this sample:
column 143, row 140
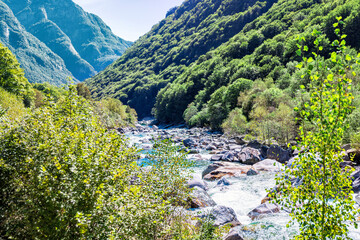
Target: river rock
column 220, row 169
column 233, row 147
column 249, row 156
column 355, row 176
column 216, row 157
column 240, row 140
column 197, row 182
column 223, row 182
column 229, row 157
column 354, row 154
column 234, row 234
column 264, row 209
column 252, row 172
column 189, row 142
column 199, row 198
column 254, row 144
column 210, row 147
column 279, row 154
column 221, row 215
column 268, row 165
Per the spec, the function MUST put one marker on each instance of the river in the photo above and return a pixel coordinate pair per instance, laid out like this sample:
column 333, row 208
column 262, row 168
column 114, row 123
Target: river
column 243, row 194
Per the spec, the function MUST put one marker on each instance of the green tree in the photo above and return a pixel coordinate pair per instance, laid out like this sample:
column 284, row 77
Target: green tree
column 322, row 203
column 12, row 77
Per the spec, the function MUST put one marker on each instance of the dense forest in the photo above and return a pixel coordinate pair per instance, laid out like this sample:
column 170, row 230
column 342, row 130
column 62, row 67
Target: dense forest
column 247, row 73
column 161, row 55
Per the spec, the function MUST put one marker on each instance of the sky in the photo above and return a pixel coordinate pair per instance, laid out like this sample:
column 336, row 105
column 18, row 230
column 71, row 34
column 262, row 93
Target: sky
column 129, row 19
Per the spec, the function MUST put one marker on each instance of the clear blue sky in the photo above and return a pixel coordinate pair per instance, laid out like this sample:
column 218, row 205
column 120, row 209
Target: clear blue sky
column 129, row 19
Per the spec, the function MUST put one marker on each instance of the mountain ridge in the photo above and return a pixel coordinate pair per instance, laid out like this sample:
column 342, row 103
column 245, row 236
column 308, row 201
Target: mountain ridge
column 82, row 40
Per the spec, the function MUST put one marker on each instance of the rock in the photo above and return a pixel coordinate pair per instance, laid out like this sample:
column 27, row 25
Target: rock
column 254, row 144
column 264, row 209
column 240, row 140
column 268, row 165
column 357, row 199
column 196, row 182
column 291, row 162
column 194, row 151
column 221, row 215
column 234, row 234
column 354, row 154
column 199, row 198
column 155, row 128
column 210, row 147
column 252, row 172
column 346, row 147
column 229, row 157
column 249, row 156
column 233, row 147
column 216, row 157
column 224, row 182
column 355, row 176
column 221, row 169
column 279, row 154
column 189, row 142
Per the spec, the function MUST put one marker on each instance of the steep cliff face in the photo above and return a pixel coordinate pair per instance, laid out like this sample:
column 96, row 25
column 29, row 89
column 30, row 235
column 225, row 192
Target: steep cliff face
column 82, row 40
column 39, row 62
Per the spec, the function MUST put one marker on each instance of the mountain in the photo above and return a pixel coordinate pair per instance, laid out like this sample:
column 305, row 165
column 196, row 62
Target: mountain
column 205, row 53
column 56, row 39
column 161, row 55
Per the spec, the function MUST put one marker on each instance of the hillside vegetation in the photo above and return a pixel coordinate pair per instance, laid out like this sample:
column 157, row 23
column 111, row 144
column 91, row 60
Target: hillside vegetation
column 160, row 56
column 226, row 64
column 54, row 40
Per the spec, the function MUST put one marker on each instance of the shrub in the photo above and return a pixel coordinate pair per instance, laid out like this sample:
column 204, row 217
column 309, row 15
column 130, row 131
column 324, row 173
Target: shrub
column 64, row 176
column 236, row 123
column 12, row 106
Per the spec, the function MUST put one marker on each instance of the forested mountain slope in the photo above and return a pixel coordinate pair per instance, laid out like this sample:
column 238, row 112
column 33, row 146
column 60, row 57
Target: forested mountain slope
column 264, row 50
column 160, row 56
column 211, row 51
column 82, row 40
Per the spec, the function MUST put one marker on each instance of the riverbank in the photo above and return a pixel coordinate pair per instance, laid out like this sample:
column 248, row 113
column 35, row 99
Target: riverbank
column 234, row 174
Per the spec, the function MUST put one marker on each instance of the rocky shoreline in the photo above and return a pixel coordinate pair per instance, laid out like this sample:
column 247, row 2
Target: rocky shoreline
column 229, row 158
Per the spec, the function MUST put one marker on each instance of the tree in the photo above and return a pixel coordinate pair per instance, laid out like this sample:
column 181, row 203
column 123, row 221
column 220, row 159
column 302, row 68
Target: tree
column 322, row 203
column 12, row 77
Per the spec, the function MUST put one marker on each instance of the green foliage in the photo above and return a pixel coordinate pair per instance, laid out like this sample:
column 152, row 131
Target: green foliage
column 187, row 34
column 64, row 176
column 11, row 106
column 114, row 114
column 12, row 77
column 83, row 91
column 236, row 123
column 322, row 201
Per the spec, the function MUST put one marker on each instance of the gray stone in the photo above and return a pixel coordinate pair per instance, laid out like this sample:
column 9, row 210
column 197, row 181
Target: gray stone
column 224, row 182
column 196, row 182
column 279, row 154
column 252, row 172
column 189, row 142
column 263, row 210
column 234, row 234
column 199, row 198
column 221, row 215
column 249, row 156
column 268, row 165
column 216, row 157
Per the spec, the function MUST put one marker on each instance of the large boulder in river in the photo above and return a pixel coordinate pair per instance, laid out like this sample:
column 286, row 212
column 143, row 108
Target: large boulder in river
column 220, row 169
column 234, row 234
column 221, row 215
column 249, row 156
column 279, row 154
column 268, row 165
column 199, row 198
column 263, row 210
column 197, row 182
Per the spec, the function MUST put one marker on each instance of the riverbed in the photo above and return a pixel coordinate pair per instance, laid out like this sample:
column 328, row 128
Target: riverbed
column 242, row 195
